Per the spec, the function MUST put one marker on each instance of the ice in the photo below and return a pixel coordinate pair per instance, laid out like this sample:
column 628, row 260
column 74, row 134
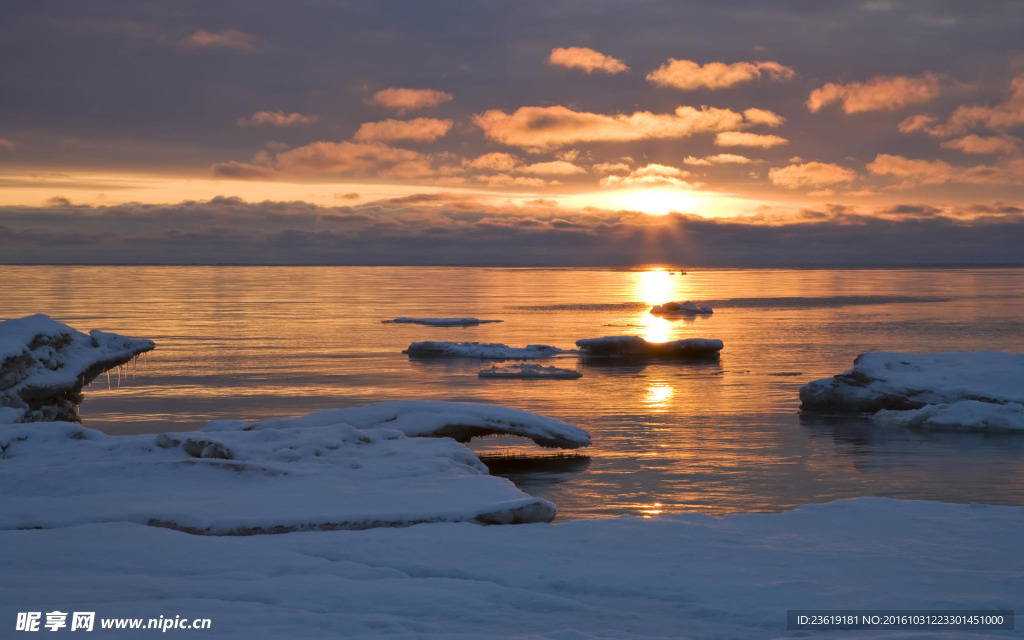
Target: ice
column 458, row 420
column 965, row 415
column 683, row 576
column 441, row 322
column 482, row 350
column 44, row 364
column 529, row 371
column 681, row 308
column 346, row 469
column 637, row 347
column 911, row 381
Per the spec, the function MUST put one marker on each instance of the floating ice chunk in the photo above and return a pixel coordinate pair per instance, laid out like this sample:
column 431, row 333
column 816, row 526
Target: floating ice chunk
column 482, row 350
column 240, row 482
column 441, row 322
column 458, row 420
column 637, row 347
column 44, row 365
column 901, row 381
column 681, row 308
column 965, row 415
column 529, row 371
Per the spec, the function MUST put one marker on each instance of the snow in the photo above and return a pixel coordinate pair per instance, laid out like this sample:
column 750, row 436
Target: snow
column 965, row 415
column 684, row 308
column 482, row 350
column 428, row 418
column 44, row 364
column 529, row 371
column 441, row 322
column 637, row 347
column 682, row 576
column 906, row 381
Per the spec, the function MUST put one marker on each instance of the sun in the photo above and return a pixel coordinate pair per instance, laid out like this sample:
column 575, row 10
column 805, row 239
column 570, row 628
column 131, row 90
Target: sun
column 656, row 202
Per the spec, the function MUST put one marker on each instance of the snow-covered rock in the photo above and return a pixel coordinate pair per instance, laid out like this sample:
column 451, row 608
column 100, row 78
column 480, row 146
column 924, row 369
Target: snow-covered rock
column 965, row 415
column 529, row 371
column 482, row 350
column 902, row 381
column 44, row 364
column 683, row 576
column 427, row 418
column 681, row 308
column 441, row 322
column 318, row 472
column 637, row 347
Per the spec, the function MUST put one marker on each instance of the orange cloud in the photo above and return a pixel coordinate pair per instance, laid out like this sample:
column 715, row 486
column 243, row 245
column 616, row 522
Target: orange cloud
column 404, row 100
column 916, row 172
column 417, row 129
column 587, row 60
column 881, row 93
column 611, row 167
column 555, row 168
column 1002, row 117
column 686, row 74
column 494, row 162
column 977, row 144
column 276, row 119
column 743, row 139
column 649, row 176
column 505, row 180
column 763, row 116
column 720, row 158
column 354, row 158
column 223, row 39
column 542, row 128
column 811, row 174
column 7, row 144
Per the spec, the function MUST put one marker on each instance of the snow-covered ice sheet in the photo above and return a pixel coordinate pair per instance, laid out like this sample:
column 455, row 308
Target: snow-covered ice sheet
column 315, row 472
column 980, row 390
column 482, row 350
column 441, row 322
column 44, row 364
column 637, row 347
column 529, row 371
column 684, row 576
column 681, row 308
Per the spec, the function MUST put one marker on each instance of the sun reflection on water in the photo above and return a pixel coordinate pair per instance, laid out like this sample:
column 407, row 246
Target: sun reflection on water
column 659, row 395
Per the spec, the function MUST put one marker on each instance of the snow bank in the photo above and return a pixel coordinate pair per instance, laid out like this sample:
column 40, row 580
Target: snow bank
column 904, row 381
column 685, row 576
column 966, row 415
column 481, row 350
column 440, row 322
column 637, row 347
column 44, row 365
column 681, row 308
column 529, row 371
column 458, row 420
column 321, row 474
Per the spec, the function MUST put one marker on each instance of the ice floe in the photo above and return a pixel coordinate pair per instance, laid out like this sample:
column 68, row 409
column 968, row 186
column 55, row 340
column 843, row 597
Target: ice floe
column 982, row 390
column 683, row 576
column 44, row 364
column 344, row 469
column 638, row 348
column 441, row 322
column 482, row 350
column 529, row 371
column 681, row 308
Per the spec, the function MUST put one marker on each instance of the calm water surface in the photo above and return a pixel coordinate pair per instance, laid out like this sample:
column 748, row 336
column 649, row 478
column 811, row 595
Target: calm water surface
column 260, row 342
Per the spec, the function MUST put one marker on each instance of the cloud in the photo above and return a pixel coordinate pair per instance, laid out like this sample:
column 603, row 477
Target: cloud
column 1002, row 117
column 811, row 174
column 743, row 139
column 542, row 128
column 686, row 74
column 652, row 175
column 276, row 119
column 494, row 162
column 611, row 167
column 763, row 116
column 7, row 144
column 881, row 93
column 417, row 129
column 720, row 158
column 505, row 180
column 242, row 171
column 223, row 39
column 913, row 172
column 1003, row 145
column 354, row 158
column 405, row 100
column 587, row 60
column 555, row 168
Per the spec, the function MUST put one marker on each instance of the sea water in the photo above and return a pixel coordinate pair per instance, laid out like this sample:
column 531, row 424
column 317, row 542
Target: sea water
column 253, row 343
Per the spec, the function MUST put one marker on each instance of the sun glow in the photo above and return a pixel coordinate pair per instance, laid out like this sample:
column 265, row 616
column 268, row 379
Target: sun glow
column 657, row 202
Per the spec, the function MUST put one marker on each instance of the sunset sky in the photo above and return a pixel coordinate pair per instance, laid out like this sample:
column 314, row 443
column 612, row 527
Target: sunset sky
column 493, row 132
